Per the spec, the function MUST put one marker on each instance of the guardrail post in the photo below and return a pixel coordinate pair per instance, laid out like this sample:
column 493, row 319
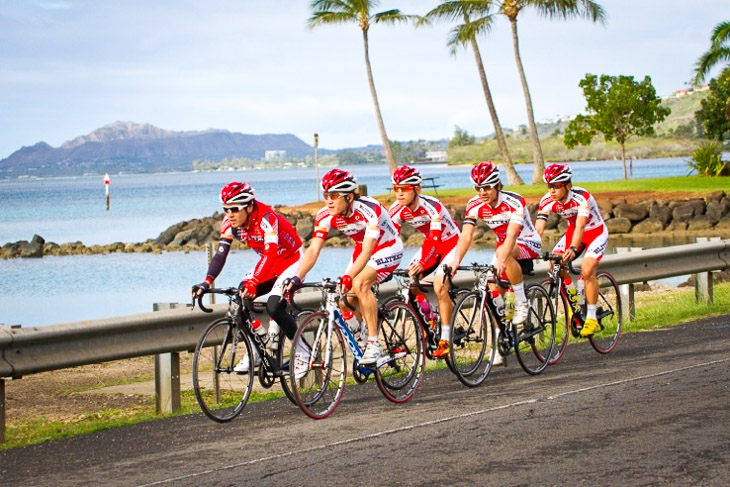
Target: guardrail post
column 627, row 291
column 167, row 382
column 2, row 410
column 703, row 280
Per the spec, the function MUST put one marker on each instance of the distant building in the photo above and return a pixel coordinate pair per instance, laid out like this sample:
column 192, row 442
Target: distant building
column 436, row 155
column 274, row 154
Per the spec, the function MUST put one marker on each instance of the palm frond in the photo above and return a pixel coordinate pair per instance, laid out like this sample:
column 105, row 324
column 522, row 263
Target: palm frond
column 456, row 10
column 721, row 33
column 393, row 17
column 709, row 60
column 565, row 9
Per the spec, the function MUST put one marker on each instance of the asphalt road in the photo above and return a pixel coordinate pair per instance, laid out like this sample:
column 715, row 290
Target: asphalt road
column 654, row 412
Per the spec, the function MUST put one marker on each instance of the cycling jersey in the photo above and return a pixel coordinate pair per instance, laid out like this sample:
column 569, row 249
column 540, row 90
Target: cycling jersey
column 368, row 218
column 269, row 235
column 433, row 220
column 579, row 202
column 510, row 208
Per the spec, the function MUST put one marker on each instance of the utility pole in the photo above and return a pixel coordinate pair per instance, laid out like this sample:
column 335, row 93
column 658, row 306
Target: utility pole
column 316, row 164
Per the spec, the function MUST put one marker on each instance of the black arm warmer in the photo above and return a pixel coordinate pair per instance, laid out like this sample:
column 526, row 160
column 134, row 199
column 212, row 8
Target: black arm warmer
column 219, row 259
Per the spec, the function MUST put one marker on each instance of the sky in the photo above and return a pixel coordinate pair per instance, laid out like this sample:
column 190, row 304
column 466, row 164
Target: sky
column 68, row 67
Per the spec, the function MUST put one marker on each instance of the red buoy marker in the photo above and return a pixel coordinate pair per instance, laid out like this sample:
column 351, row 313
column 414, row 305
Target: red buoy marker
column 106, row 189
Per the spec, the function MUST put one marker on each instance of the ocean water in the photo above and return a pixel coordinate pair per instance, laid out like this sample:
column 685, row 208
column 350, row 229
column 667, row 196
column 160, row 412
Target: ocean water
column 55, row 290
column 144, row 205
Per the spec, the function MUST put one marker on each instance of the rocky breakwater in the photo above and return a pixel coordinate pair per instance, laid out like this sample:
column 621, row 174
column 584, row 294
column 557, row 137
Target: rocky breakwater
column 709, row 216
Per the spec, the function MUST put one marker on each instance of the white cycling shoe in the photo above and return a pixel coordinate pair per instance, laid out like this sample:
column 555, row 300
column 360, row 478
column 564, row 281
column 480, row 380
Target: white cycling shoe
column 242, row 367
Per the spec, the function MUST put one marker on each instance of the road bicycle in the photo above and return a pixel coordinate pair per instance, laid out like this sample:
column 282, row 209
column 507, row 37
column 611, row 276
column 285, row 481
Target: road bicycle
column 430, row 325
column 221, row 392
column 320, row 341
column 570, row 314
column 476, row 317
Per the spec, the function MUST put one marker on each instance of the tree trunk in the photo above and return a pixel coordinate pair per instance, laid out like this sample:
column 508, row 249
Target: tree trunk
column 537, row 156
column 386, row 142
column 512, row 175
column 623, row 158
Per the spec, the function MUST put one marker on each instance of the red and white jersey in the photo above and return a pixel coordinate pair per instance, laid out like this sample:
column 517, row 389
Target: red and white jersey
column 579, row 202
column 429, row 216
column 510, row 208
column 368, row 219
column 264, row 226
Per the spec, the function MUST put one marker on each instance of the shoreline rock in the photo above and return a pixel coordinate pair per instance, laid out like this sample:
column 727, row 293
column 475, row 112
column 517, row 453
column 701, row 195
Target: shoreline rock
column 671, row 220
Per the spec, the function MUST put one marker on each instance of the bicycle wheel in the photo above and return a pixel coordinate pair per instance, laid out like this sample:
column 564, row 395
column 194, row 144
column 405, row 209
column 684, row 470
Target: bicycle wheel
column 284, row 356
column 563, row 315
column 402, row 338
column 536, row 337
column 319, row 391
column 221, row 392
column 608, row 312
column 471, row 342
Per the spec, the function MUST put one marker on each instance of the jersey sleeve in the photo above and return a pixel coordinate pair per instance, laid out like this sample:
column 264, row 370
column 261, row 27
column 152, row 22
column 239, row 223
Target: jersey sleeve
column 322, row 224
column 394, row 212
column 518, row 212
column 472, row 211
column 584, row 206
column 434, row 212
column 270, row 226
column 544, row 207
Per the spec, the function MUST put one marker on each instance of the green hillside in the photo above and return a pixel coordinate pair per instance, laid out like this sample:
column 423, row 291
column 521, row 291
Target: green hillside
column 683, row 111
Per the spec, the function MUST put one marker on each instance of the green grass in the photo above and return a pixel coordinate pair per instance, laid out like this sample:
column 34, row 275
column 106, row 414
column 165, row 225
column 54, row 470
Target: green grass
column 652, row 312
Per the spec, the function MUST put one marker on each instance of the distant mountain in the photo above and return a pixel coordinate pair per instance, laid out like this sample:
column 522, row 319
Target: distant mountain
column 142, row 148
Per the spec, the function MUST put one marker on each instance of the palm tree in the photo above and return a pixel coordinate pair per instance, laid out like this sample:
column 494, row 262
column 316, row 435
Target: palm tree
column 719, row 51
column 553, row 9
column 463, row 35
column 359, row 11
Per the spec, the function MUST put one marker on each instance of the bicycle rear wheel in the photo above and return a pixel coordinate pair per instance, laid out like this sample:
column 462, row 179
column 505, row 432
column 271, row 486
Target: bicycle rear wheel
column 608, row 312
column 401, row 334
column 320, row 390
column 536, row 337
column 563, row 315
column 221, row 392
column 471, row 343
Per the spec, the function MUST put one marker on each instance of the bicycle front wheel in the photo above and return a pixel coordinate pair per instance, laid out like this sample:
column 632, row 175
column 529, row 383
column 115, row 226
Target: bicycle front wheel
column 608, row 312
column 563, row 315
column 319, row 390
column 284, row 356
column 536, row 337
column 400, row 332
column 221, row 392
column 471, row 342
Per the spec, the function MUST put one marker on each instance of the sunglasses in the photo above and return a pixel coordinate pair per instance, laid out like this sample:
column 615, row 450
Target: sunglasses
column 331, row 195
column 402, row 188
column 556, row 185
column 485, row 187
column 233, row 209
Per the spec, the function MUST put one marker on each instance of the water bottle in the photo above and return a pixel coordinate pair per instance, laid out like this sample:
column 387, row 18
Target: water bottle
column 572, row 291
column 426, row 310
column 259, row 330
column 581, row 291
column 509, row 303
column 498, row 302
column 273, row 338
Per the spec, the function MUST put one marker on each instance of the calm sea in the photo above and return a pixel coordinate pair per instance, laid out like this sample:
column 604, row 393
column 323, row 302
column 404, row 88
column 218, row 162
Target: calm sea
column 61, row 289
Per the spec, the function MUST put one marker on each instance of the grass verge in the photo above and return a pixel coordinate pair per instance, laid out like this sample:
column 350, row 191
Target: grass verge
column 652, row 312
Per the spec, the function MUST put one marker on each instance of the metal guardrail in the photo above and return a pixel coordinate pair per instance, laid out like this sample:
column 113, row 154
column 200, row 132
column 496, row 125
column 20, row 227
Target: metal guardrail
column 30, row 350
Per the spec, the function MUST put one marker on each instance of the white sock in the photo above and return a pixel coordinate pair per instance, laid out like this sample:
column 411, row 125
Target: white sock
column 519, row 290
column 373, row 339
column 591, row 311
column 445, row 331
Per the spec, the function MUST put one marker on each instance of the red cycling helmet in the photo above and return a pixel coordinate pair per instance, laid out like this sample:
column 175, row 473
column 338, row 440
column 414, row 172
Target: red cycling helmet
column 407, row 175
column 485, row 173
column 557, row 173
column 339, row 181
column 237, row 193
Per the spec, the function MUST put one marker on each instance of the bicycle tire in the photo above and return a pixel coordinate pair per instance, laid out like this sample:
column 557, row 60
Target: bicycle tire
column 563, row 315
column 283, row 355
column 221, row 393
column 471, row 341
column 536, row 337
column 609, row 314
column 402, row 336
column 319, row 392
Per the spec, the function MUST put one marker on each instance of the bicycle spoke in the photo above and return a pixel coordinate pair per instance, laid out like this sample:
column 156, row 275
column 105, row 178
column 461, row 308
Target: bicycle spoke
column 471, row 341
column 608, row 312
column 536, row 337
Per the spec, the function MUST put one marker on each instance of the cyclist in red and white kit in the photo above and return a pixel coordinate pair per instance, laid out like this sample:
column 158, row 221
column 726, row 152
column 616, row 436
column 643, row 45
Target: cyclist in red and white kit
column 506, row 214
column 427, row 215
column 276, row 242
column 586, row 230
column 378, row 248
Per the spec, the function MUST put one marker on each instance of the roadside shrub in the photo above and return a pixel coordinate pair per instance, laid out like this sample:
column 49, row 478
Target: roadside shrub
column 707, row 161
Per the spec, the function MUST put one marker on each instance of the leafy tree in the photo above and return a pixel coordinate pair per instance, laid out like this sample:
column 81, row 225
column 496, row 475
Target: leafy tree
column 461, row 137
column 713, row 108
column 359, row 12
column 465, row 35
column 707, row 161
column 618, row 107
column 562, row 9
column 718, row 52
